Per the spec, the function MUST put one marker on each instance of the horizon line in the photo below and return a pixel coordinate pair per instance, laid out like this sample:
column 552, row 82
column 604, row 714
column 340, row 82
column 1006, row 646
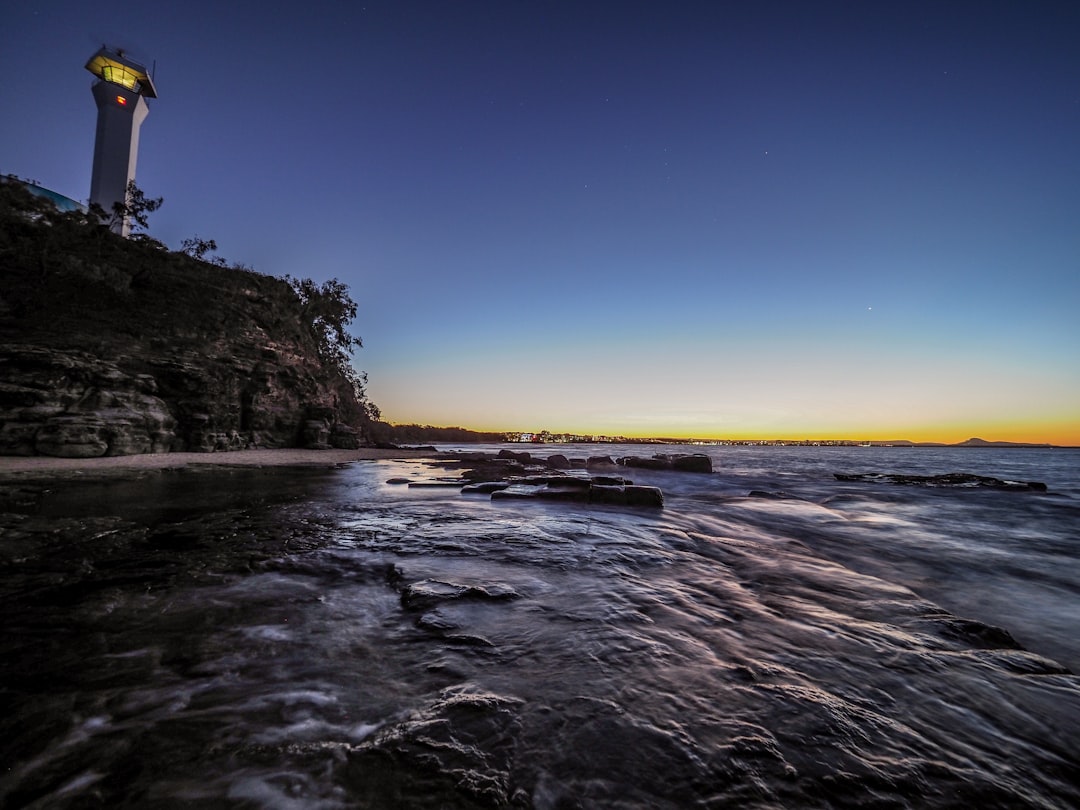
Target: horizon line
column 585, row 437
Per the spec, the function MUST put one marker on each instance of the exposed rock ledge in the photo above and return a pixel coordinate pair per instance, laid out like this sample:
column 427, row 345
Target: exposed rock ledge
column 599, row 489
column 521, row 476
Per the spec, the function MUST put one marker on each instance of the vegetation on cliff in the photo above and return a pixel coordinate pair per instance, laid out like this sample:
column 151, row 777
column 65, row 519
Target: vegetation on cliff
column 110, row 346
column 385, row 433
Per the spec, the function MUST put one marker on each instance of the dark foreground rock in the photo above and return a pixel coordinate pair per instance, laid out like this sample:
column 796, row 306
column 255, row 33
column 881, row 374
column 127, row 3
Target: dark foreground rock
column 958, row 480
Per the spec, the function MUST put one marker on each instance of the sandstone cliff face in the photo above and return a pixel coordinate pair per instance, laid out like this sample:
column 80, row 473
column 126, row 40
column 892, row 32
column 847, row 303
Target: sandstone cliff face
column 110, row 347
column 70, row 403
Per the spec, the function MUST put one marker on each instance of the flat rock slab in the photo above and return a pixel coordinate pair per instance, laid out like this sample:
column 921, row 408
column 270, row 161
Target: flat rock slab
column 615, row 495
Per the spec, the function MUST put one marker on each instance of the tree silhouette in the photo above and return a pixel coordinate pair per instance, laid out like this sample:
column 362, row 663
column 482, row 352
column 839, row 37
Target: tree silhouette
column 197, row 248
column 134, row 209
column 327, row 310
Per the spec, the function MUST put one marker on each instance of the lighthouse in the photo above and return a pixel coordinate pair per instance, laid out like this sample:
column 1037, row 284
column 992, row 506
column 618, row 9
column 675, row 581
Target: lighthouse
column 120, row 93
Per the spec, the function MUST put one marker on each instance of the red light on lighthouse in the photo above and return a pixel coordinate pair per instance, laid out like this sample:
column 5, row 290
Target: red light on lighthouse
column 121, row 101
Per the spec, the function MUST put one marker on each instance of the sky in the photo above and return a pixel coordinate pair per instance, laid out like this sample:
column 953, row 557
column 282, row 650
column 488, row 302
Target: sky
column 695, row 219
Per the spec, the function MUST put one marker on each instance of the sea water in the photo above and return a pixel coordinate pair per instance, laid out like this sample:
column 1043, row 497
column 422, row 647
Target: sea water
column 772, row 637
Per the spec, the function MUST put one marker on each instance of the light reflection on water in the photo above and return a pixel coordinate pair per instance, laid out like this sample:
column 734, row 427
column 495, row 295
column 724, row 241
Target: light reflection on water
column 325, row 639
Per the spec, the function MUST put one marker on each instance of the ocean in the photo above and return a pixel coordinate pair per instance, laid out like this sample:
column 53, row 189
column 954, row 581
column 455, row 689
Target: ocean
column 771, row 638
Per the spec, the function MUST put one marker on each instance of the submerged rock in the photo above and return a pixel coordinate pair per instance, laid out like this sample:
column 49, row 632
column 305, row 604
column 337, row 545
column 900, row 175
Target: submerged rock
column 958, row 480
column 771, row 496
column 461, row 745
column 516, row 491
column 484, row 487
column 428, row 593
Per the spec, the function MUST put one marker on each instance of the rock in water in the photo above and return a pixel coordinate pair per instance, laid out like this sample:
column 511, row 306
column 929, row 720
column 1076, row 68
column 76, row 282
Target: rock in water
column 644, row 496
column 558, row 462
column 697, row 462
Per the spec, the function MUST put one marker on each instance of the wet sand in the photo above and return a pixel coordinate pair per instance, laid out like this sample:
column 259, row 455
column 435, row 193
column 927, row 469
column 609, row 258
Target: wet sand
column 36, row 466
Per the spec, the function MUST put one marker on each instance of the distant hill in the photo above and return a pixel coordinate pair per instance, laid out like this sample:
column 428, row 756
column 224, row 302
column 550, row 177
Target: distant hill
column 966, row 443
column 985, row 443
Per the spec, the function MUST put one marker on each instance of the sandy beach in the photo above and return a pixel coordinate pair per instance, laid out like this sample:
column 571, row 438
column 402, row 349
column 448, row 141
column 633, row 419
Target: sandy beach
column 19, row 466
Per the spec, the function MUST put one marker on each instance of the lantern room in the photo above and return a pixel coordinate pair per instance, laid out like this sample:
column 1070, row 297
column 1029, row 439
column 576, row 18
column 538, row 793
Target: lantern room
column 114, row 67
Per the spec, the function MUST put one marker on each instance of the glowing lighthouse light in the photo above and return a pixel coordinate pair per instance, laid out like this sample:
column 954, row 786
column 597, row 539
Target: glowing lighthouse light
column 120, row 91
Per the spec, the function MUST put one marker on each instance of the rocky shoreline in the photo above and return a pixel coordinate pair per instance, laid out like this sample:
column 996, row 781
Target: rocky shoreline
column 21, row 467
column 506, row 475
column 510, row 475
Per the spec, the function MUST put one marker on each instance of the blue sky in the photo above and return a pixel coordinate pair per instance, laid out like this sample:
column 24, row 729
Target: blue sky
column 690, row 218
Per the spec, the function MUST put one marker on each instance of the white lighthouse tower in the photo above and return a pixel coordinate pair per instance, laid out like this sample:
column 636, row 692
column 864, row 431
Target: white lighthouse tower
column 120, row 92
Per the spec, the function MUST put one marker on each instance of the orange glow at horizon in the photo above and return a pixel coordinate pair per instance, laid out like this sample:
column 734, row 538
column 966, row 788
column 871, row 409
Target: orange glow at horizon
column 818, row 387
column 1064, row 433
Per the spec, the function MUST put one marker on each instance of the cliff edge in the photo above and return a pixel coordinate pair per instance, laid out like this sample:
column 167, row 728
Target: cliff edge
column 114, row 347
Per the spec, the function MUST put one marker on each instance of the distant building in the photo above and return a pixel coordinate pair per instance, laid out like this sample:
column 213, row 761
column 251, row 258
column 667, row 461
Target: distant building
column 61, row 202
column 120, row 92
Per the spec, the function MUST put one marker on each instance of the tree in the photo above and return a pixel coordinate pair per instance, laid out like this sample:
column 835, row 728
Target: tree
column 133, row 210
column 327, row 310
column 358, row 381
column 197, row 248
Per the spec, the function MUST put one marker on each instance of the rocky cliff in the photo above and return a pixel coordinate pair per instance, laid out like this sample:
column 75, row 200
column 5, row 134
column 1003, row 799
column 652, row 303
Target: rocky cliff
column 114, row 347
